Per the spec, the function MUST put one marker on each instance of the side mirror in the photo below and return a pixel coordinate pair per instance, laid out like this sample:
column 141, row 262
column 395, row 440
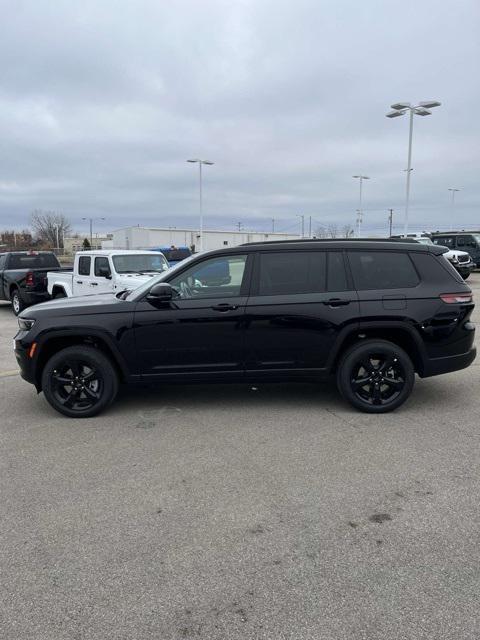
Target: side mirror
column 161, row 292
column 104, row 272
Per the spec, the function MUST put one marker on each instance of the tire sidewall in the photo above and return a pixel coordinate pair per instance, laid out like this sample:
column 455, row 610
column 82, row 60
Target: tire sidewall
column 20, row 305
column 89, row 354
column 351, row 358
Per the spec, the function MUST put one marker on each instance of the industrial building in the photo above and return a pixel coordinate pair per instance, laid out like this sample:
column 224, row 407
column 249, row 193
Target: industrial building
column 146, row 238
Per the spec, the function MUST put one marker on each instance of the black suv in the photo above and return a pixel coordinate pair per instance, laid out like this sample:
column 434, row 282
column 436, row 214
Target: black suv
column 371, row 313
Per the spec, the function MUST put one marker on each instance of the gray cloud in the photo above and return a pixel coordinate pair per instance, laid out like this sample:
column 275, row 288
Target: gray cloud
column 102, row 103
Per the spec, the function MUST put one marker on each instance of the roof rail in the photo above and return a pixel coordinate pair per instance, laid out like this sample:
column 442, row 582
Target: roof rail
column 314, row 240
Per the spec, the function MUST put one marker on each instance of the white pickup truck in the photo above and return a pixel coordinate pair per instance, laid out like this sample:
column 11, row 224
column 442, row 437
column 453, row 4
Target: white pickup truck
column 105, row 272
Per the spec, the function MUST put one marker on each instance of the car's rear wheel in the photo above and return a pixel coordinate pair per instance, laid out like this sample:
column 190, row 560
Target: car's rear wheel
column 375, row 376
column 18, row 304
column 79, row 381
column 59, row 293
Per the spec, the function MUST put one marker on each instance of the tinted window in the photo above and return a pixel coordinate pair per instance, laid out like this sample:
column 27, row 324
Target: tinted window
column 382, row 270
column 215, row 278
column 445, row 241
column 2, row 261
column 174, row 254
column 465, row 241
column 32, row 261
column 435, row 269
column 84, row 266
column 292, row 272
column 102, row 266
column 336, row 274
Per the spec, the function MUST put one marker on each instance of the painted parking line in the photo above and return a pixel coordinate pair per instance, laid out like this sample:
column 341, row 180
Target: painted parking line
column 8, row 374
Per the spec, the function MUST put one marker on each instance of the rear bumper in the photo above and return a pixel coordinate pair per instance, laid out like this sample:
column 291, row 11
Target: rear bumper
column 437, row 366
column 34, row 297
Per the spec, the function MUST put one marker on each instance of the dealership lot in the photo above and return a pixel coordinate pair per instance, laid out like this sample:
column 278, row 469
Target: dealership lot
column 239, row 512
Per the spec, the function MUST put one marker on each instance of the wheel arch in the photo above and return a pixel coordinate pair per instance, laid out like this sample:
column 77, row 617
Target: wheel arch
column 54, row 342
column 400, row 334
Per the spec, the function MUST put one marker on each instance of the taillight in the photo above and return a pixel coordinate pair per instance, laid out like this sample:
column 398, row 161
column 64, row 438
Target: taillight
column 456, row 298
column 29, row 279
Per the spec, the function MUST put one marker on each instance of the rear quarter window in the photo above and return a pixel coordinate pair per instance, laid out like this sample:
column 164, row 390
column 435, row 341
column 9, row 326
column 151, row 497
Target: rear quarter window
column 435, row 269
column 382, row 270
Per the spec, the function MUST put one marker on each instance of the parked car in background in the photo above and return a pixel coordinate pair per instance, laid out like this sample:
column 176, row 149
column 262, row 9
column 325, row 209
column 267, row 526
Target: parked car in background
column 107, row 271
column 173, row 254
column 23, row 277
column 461, row 240
column 372, row 314
column 461, row 260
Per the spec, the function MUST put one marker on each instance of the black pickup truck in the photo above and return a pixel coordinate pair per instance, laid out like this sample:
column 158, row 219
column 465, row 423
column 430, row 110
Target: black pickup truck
column 23, row 277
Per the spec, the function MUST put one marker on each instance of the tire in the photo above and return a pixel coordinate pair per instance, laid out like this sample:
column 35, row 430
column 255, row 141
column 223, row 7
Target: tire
column 386, row 371
column 59, row 293
column 466, row 276
column 18, row 305
column 93, row 386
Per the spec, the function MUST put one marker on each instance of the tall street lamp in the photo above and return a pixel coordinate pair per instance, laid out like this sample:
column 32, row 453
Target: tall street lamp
column 359, row 210
column 200, row 163
column 421, row 109
column 92, row 220
column 454, row 191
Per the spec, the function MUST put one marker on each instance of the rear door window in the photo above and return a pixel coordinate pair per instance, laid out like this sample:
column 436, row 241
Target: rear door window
column 84, row 266
column 292, row 272
column 336, row 273
column 382, row 270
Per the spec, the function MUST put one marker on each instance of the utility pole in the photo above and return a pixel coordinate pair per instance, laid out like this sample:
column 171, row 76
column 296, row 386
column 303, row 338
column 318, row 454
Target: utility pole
column 310, row 227
column 239, row 225
column 390, row 219
column 273, row 225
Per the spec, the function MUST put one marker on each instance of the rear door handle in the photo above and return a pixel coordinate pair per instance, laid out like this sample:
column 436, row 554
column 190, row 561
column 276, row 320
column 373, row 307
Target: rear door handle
column 225, row 307
column 336, row 302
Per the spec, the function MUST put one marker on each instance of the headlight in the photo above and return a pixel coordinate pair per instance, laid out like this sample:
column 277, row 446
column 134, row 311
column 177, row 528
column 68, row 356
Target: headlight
column 25, row 324
column 454, row 260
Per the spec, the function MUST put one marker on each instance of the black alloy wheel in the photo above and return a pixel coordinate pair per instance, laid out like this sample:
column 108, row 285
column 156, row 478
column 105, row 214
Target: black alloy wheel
column 376, row 376
column 79, row 381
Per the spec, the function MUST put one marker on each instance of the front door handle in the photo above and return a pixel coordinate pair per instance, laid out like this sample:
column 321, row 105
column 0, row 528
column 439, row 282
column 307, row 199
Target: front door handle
column 225, row 307
column 79, row 281
column 94, row 284
column 336, row 302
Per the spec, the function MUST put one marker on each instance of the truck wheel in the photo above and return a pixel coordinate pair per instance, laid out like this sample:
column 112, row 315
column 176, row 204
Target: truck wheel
column 59, row 293
column 375, row 376
column 18, row 304
column 79, row 381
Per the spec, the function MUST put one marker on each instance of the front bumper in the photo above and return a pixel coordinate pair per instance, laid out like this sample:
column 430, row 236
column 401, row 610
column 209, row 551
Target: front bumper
column 26, row 364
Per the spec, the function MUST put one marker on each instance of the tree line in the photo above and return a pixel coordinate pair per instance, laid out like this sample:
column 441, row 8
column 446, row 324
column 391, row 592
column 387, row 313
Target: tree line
column 48, row 230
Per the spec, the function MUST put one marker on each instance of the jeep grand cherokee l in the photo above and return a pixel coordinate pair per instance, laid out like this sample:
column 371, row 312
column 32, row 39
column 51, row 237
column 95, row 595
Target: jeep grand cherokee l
column 373, row 314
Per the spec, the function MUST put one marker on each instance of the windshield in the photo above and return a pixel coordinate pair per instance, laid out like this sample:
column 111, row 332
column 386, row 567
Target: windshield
column 424, row 240
column 138, row 292
column 140, row 263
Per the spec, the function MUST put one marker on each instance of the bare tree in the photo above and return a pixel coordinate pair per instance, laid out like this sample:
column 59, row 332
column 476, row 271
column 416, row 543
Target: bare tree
column 50, row 227
column 347, row 231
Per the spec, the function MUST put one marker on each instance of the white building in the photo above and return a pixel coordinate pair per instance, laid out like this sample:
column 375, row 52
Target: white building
column 146, row 238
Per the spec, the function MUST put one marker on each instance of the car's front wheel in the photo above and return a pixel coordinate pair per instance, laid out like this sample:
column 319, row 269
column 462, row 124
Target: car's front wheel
column 375, row 376
column 79, row 381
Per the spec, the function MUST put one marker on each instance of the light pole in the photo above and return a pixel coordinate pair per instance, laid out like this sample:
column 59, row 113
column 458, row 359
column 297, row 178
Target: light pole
column 200, row 162
column 453, row 198
column 359, row 210
column 421, row 109
column 299, row 215
column 92, row 220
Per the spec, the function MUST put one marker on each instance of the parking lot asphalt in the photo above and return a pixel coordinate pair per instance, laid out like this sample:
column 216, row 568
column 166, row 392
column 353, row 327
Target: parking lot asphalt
column 227, row 512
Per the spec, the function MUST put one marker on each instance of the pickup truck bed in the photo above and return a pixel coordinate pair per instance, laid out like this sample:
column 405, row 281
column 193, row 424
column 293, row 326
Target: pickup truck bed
column 23, row 277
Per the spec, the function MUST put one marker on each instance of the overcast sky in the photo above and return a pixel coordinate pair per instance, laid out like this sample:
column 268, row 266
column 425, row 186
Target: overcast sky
column 102, row 102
